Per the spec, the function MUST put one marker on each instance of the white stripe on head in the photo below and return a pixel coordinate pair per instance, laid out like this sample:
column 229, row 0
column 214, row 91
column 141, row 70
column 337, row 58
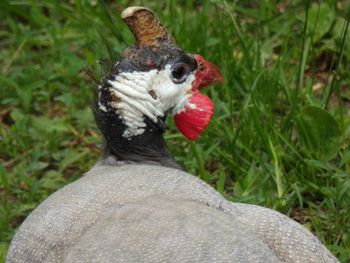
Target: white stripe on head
column 149, row 94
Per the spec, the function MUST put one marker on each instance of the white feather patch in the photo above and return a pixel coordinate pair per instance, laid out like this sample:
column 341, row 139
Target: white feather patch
column 134, row 89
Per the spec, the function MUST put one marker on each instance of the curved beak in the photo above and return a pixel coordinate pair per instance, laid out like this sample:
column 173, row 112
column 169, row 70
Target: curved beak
column 206, row 74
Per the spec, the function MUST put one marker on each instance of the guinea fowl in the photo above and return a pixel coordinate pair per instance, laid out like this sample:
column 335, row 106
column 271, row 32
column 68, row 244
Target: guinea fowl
column 136, row 204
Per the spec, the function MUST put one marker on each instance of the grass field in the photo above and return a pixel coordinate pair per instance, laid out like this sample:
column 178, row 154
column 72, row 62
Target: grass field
column 280, row 134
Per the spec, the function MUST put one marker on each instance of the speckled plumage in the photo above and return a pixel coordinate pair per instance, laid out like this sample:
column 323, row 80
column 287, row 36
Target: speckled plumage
column 149, row 213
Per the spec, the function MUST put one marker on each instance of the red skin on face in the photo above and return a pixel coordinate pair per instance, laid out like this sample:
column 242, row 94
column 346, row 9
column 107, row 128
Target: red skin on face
column 207, row 74
column 192, row 122
column 197, row 114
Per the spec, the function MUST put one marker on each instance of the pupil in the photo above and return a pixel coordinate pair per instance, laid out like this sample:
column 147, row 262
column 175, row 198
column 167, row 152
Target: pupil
column 178, row 72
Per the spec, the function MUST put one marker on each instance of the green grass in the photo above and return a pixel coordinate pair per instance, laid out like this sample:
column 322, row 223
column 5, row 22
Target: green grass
column 281, row 131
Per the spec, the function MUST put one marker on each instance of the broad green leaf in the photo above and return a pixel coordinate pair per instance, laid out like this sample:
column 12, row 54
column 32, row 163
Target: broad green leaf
column 319, row 131
column 338, row 34
column 47, row 125
column 338, row 28
column 212, row 41
column 320, row 19
column 24, row 209
column 52, row 180
column 37, row 166
column 345, row 159
column 319, row 164
column 84, row 117
column 3, row 251
column 17, row 116
column 71, row 157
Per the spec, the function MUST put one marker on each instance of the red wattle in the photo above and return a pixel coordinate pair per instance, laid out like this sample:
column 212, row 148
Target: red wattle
column 196, row 117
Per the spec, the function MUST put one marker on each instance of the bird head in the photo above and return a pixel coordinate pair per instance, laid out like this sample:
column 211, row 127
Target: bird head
column 154, row 78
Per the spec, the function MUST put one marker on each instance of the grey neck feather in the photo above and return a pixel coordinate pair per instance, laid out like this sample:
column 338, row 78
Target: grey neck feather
column 109, row 159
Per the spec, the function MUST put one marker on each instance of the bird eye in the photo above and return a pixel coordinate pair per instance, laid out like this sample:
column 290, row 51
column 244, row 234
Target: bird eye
column 179, row 73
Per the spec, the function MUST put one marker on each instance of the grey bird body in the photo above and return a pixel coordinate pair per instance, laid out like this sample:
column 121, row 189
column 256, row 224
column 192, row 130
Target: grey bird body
column 149, row 213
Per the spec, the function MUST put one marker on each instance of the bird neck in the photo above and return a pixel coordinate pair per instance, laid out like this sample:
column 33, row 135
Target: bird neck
column 147, row 148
